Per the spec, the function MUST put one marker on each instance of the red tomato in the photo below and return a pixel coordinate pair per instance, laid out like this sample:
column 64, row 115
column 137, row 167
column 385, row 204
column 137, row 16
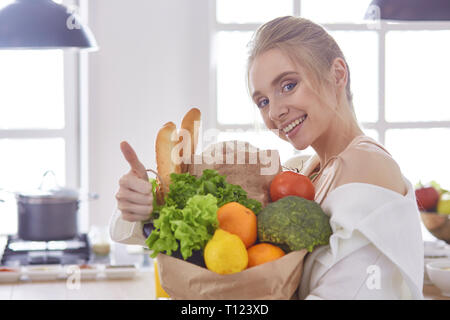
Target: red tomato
column 289, row 183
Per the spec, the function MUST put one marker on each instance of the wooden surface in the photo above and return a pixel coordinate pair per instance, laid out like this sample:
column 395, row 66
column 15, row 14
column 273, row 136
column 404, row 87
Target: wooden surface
column 431, row 292
column 141, row 287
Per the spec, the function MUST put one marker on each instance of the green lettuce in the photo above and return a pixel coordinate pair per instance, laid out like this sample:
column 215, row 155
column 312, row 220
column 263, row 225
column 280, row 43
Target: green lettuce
column 190, row 227
column 188, row 218
column 184, row 186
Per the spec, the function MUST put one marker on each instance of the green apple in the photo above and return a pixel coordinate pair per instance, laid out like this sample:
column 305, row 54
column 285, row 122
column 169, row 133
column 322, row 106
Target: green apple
column 443, row 206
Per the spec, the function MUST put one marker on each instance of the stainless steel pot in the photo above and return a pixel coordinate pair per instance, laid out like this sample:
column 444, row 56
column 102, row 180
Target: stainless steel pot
column 48, row 214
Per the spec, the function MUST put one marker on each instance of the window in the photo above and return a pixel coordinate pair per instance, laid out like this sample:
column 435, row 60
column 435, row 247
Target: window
column 235, row 23
column 38, row 123
column 398, row 78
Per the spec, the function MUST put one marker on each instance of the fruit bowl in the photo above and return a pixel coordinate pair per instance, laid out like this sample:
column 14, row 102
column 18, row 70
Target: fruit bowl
column 437, row 224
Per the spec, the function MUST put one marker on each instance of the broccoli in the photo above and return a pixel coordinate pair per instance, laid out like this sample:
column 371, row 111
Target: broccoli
column 294, row 223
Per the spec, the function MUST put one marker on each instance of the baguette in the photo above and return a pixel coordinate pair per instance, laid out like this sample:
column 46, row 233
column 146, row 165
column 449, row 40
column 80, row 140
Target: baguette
column 169, row 149
column 191, row 123
column 166, row 140
column 189, row 130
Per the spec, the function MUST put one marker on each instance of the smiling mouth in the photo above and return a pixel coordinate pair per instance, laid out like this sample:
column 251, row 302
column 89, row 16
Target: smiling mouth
column 294, row 124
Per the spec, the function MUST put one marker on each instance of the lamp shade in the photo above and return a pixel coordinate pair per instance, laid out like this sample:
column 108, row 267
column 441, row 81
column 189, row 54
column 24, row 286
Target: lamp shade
column 414, row 10
column 42, row 24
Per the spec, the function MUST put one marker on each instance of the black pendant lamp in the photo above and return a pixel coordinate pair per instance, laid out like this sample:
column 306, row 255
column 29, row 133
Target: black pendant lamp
column 42, row 24
column 409, row 10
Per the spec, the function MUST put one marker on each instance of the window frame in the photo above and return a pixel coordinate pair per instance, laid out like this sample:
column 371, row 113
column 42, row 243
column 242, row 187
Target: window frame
column 71, row 117
column 75, row 131
column 380, row 27
column 69, row 132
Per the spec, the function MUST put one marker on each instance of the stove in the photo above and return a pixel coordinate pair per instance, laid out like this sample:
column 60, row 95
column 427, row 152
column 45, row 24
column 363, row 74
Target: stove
column 23, row 252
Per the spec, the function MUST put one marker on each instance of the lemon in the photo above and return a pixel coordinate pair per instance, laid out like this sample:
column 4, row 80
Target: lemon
column 225, row 253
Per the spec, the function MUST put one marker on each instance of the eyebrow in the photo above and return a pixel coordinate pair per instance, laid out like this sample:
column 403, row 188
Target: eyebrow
column 275, row 81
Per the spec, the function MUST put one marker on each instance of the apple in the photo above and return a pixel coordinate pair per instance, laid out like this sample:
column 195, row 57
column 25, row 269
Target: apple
column 427, row 198
column 443, row 206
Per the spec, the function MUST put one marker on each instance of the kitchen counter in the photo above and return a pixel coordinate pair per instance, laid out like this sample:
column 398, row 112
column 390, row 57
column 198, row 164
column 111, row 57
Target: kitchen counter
column 431, row 292
column 141, row 287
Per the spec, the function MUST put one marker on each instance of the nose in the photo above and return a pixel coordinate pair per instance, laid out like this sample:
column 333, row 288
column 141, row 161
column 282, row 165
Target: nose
column 278, row 111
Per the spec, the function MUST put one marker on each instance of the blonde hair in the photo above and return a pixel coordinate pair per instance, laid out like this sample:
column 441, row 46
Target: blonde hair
column 303, row 41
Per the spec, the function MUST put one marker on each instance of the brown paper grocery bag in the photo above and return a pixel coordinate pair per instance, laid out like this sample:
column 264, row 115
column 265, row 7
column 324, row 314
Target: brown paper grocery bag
column 253, row 169
column 278, row 279
column 242, row 164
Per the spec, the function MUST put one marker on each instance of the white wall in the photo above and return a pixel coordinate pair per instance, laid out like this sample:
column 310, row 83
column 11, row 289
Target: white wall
column 152, row 65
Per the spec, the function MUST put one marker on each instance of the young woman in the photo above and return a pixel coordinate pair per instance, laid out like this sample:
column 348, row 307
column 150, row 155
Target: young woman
column 300, row 81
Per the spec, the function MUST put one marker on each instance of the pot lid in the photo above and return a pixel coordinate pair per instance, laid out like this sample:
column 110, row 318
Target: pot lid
column 59, row 193
column 50, row 191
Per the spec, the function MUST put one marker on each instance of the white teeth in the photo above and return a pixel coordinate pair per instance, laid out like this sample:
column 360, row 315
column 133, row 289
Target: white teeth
column 293, row 124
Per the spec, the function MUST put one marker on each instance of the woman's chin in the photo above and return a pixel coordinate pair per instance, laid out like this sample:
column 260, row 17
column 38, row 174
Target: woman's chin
column 300, row 146
column 299, row 143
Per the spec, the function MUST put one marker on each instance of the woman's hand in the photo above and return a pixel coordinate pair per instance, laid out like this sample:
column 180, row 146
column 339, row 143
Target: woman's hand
column 134, row 198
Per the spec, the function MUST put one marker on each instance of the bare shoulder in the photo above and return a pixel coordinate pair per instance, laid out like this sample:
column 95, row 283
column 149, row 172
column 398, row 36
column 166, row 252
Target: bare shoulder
column 370, row 165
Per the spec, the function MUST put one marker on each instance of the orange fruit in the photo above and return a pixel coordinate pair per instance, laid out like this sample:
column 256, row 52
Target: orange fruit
column 263, row 252
column 239, row 220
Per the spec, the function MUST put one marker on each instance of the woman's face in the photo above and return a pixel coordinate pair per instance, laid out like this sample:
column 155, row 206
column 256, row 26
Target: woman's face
column 286, row 103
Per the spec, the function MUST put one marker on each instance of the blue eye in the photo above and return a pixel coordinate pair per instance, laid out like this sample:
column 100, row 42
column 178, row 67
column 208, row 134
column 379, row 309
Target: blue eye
column 289, row 86
column 262, row 103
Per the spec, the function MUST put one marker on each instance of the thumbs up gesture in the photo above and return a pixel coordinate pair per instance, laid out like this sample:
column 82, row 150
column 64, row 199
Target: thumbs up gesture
column 134, row 197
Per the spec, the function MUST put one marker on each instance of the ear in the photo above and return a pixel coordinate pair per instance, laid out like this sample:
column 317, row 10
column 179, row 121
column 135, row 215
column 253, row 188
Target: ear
column 340, row 72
